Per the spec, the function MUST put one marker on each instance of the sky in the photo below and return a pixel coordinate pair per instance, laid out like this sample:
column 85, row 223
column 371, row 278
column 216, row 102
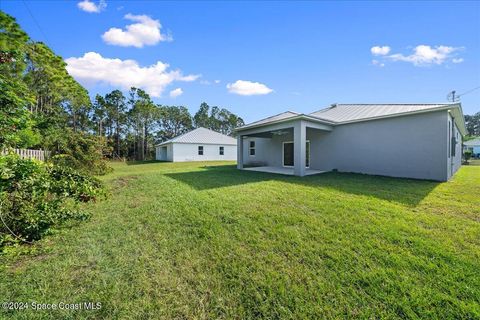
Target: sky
column 258, row 59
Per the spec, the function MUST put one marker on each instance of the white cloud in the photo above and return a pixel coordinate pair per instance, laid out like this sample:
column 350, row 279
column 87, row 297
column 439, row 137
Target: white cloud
column 208, row 82
column 146, row 31
column 424, row 55
column 89, row 6
column 378, row 63
column 380, row 51
column 248, row 88
column 92, row 68
column 175, row 93
column 457, row 60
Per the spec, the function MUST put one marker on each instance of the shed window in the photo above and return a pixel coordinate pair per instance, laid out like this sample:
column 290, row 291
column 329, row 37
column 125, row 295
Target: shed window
column 221, row 151
column 252, row 148
column 200, row 150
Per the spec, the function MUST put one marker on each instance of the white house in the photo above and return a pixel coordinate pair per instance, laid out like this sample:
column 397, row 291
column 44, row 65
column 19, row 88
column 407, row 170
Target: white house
column 422, row 141
column 200, row 144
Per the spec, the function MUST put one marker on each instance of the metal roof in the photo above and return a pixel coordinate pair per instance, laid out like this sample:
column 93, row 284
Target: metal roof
column 346, row 113
column 275, row 118
column 203, row 136
column 352, row 112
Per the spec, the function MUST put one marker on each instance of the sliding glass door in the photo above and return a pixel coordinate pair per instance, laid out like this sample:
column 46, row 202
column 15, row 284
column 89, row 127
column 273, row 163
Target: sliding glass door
column 288, row 155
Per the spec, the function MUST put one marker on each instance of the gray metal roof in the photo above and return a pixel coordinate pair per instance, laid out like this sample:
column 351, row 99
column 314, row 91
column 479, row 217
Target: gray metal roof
column 281, row 116
column 342, row 113
column 345, row 113
column 474, row 142
column 202, row 136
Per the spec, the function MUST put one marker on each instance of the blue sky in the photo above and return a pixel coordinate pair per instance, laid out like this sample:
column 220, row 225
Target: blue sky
column 299, row 56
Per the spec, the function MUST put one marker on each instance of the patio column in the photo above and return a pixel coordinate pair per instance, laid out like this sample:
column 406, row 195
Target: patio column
column 239, row 151
column 299, row 147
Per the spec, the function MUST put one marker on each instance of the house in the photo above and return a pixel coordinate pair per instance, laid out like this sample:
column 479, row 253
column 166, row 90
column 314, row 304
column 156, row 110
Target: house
column 421, row 141
column 473, row 146
column 200, row 144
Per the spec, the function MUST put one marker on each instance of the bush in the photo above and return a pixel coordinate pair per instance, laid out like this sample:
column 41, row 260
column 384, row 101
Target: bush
column 467, row 154
column 35, row 196
column 78, row 150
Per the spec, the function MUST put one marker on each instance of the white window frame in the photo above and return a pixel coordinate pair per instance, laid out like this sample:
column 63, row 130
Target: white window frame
column 250, row 148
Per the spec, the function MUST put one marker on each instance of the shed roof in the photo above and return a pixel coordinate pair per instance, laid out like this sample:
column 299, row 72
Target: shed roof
column 203, row 136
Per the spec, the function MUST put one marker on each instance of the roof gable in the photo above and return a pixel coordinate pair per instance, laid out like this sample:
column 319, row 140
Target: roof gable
column 203, row 136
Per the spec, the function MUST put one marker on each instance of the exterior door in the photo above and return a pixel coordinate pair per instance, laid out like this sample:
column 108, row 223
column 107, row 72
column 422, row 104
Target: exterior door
column 288, row 156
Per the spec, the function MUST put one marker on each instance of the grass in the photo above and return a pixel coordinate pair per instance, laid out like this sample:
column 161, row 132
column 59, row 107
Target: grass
column 189, row 241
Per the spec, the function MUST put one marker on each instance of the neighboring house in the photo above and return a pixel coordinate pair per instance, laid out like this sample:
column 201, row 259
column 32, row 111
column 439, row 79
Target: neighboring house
column 200, row 144
column 474, row 146
column 422, row 141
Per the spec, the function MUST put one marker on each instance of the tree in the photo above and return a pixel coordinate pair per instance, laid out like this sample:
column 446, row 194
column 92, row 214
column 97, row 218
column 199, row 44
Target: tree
column 216, row 119
column 142, row 114
column 116, row 106
column 99, row 114
column 173, row 121
column 15, row 97
column 202, row 118
column 473, row 124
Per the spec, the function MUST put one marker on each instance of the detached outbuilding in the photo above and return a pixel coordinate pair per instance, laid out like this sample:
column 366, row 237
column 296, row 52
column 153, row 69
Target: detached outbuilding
column 200, row 144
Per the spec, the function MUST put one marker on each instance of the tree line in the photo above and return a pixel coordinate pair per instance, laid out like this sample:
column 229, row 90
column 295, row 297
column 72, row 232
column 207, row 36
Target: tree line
column 133, row 124
column 42, row 106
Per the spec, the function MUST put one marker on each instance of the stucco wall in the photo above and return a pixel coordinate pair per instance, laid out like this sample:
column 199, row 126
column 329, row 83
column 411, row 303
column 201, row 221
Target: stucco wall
column 189, row 152
column 262, row 151
column 413, row 146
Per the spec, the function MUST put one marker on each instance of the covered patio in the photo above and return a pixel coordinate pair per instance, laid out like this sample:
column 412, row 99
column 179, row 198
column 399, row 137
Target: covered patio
column 283, row 170
column 283, row 144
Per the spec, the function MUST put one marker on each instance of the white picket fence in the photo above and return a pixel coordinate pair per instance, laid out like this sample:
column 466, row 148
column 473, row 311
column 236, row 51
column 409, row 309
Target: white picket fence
column 29, row 153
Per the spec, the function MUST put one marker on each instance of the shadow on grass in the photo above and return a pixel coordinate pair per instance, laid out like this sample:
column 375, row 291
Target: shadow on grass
column 138, row 162
column 405, row 191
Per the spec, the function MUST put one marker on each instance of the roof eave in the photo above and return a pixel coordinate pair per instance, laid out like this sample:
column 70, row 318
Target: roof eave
column 297, row 117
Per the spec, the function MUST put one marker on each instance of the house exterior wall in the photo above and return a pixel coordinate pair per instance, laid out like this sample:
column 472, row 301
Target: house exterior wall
column 454, row 161
column 164, row 156
column 412, row 146
column 262, row 149
column 189, row 152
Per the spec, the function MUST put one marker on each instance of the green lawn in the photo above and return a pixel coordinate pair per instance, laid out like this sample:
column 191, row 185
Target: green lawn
column 206, row 241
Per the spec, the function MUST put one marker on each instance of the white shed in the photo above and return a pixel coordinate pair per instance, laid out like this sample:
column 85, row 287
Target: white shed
column 200, row 144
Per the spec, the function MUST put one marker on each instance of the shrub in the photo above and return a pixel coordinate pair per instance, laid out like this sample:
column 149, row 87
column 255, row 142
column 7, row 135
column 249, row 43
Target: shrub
column 467, row 154
column 35, row 196
column 78, row 150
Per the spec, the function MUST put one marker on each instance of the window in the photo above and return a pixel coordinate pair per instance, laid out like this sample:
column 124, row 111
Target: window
column 200, row 150
column 221, row 151
column 252, row 148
